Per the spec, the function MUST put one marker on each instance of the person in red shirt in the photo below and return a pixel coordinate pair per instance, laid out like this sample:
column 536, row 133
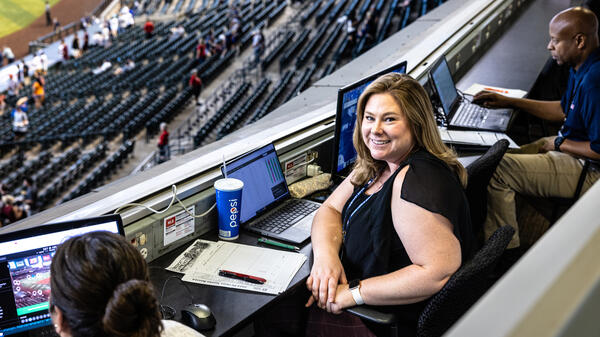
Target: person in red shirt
column 201, row 51
column 149, row 28
column 195, row 84
column 164, row 152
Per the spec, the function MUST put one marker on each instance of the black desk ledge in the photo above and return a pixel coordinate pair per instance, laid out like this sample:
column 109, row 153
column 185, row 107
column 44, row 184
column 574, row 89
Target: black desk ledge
column 233, row 309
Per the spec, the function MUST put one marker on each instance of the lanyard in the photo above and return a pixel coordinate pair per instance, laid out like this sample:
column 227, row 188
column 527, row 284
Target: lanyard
column 348, row 217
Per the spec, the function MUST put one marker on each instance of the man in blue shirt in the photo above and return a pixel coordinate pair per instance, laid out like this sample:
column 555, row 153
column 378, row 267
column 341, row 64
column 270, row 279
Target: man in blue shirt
column 555, row 170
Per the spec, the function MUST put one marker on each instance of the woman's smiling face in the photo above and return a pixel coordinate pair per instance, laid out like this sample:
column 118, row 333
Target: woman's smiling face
column 385, row 130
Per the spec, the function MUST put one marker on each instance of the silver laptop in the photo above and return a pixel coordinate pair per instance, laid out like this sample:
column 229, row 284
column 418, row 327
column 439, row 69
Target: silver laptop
column 460, row 113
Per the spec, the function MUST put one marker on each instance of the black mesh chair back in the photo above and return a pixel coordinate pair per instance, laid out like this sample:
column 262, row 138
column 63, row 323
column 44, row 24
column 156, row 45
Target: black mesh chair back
column 464, row 288
column 479, row 174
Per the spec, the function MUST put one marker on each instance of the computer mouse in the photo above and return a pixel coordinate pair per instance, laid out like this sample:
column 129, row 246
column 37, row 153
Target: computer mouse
column 198, row 317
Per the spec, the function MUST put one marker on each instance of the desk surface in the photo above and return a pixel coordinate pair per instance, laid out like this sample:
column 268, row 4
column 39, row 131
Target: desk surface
column 233, row 309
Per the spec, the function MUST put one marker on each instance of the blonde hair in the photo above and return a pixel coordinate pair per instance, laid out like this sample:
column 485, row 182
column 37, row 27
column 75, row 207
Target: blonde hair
column 414, row 103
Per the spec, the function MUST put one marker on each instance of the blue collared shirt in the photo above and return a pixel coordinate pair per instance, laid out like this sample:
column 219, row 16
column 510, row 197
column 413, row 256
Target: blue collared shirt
column 581, row 103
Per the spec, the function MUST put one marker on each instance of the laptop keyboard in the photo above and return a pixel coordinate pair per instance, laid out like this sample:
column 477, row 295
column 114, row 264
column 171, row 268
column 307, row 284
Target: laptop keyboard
column 470, row 115
column 47, row 331
column 285, row 217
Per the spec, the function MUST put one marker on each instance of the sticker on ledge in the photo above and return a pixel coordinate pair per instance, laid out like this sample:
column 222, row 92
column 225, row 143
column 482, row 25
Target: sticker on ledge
column 178, row 226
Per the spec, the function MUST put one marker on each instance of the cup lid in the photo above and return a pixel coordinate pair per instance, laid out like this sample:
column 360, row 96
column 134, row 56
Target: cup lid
column 229, row 184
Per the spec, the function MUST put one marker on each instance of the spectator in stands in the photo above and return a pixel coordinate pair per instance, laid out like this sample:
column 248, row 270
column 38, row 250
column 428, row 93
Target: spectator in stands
column 258, row 45
column 23, row 71
column 164, row 152
column 211, row 43
column 235, row 33
column 553, row 167
column 114, row 26
column 75, row 46
column 101, row 287
column 13, row 88
column 63, row 50
column 36, row 62
column 56, row 24
column 48, row 15
column 201, row 51
column 8, row 55
column 128, row 66
column 37, row 89
column 195, row 84
column 3, row 105
column 12, row 211
column 106, row 34
column 30, row 195
column 20, row 123
column 177, row 31
column 149, row 28
column 86, row 41
column 103, row 67
column 45, row 62
column 98, row 39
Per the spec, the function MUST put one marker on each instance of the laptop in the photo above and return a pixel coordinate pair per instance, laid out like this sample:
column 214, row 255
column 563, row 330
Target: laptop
column 344, row 154
column 25, row 257
column 267, row 207
column 460, row 113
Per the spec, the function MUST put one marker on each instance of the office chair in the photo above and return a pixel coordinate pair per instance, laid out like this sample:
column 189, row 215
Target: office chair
column 461, row 291
column 479, row 174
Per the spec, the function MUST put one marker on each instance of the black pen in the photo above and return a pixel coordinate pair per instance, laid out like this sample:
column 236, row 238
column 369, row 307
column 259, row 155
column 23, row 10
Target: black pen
column 243, row 277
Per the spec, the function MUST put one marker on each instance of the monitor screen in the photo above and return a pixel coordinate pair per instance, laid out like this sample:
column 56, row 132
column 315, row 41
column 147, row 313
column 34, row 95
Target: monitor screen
column 444, row 85
column 25, row 258
column 344, row 152
column 264, row 183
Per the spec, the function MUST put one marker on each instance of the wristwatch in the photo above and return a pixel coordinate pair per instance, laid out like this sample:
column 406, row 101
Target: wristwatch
column 354, row 287
column 558, row 142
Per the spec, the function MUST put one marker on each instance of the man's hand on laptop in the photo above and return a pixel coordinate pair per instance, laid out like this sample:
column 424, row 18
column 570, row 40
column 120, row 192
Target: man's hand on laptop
column 491, row 100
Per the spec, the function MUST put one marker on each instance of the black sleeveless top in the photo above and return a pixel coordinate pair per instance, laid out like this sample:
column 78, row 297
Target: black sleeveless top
column 372, row 246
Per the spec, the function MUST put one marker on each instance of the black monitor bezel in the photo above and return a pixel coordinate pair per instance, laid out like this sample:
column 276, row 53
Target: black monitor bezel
column 434, row 66
column 338, row 112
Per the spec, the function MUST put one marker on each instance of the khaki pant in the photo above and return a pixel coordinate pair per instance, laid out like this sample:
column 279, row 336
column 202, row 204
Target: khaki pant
column 552, row 174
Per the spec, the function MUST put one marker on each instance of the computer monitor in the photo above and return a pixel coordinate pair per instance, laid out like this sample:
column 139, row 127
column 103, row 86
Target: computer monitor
column 443, row 84
column 25, row 258
column 344, row 153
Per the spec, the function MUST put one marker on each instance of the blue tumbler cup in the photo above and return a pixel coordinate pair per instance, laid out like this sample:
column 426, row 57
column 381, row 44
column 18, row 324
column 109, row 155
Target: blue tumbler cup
column 229, row 203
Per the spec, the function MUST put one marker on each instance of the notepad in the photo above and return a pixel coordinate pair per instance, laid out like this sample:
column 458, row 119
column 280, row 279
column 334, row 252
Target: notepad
column 201, row 262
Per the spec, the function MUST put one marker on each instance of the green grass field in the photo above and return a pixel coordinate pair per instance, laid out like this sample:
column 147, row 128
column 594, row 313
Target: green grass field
column 18, row 14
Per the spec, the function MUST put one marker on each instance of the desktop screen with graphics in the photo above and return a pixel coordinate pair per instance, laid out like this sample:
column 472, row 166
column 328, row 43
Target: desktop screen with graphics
column 264, row 183
column 25, row 258
column 344, row 152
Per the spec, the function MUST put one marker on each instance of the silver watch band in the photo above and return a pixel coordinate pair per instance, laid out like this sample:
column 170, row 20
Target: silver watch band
column 356, row 295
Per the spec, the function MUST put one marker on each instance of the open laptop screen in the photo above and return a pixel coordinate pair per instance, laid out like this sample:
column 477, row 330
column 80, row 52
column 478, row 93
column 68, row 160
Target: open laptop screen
column 25, row 258
column 444, row 85
column 264, row 183
column 344, row 152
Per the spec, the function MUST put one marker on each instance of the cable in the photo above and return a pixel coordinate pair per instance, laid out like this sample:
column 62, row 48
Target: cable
column 173, row 198
column 162, row 294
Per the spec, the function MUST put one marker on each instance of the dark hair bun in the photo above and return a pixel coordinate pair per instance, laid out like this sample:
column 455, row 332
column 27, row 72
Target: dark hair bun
column 132, row 311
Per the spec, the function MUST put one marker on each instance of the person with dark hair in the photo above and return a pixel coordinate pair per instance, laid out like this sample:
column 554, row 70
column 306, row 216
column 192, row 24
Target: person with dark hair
column 552, row 167
column 195, row 83
column 30, row 195
column 100, row 287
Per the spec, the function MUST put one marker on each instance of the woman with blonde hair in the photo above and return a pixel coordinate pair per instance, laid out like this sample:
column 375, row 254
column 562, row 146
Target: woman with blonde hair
column 398, row 227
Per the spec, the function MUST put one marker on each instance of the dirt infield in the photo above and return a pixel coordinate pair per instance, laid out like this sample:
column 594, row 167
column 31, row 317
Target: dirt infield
column 66, row 11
